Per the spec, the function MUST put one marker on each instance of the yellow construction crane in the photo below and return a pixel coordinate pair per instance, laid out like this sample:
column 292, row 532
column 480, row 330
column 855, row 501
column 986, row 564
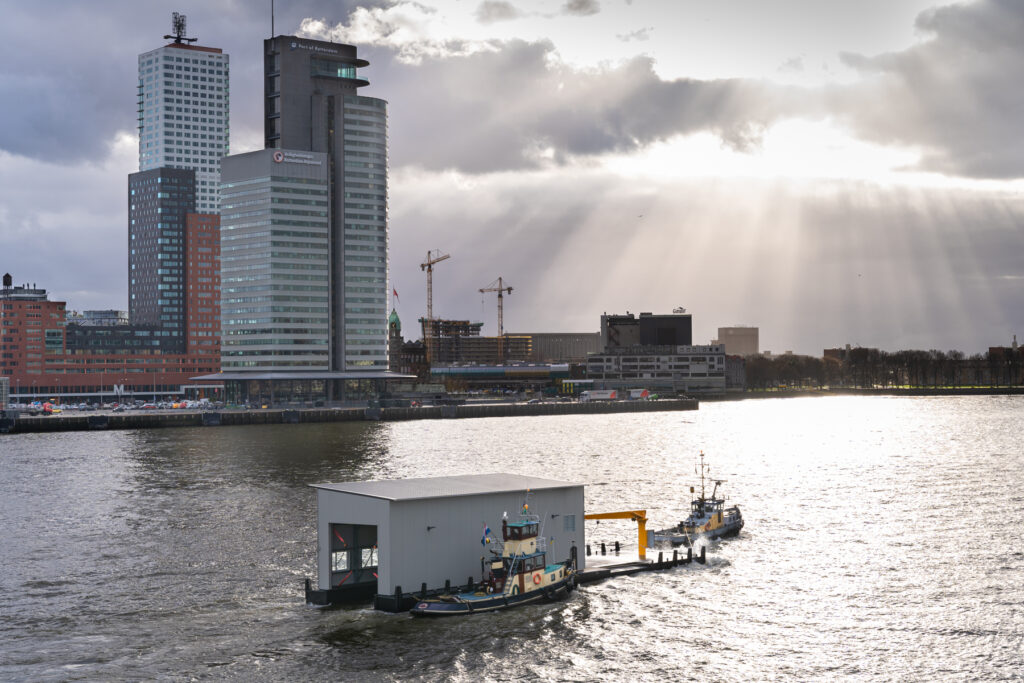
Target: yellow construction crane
column 638, row 516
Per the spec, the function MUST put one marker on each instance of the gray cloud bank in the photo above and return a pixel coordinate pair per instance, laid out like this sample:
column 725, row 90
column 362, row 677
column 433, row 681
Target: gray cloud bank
column 517, row 105
column 951, row 96
column 956, row 94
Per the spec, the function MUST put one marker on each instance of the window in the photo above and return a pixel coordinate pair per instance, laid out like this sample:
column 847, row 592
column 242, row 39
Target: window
column 369, row 558
column 569, row 523
column 339, row 561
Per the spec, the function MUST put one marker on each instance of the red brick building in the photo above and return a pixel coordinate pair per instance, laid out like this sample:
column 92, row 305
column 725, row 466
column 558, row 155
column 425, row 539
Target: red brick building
column 202, row 285
column 45, row 357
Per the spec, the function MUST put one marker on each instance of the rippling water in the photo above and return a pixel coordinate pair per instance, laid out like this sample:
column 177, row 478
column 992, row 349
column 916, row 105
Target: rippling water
column 884, row 540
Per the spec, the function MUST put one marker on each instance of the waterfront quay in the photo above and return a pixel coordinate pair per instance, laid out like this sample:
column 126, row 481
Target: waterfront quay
column 194, row 418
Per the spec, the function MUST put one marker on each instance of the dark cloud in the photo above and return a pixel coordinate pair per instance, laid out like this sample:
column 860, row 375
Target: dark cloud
column 68, row 81
column 581, row 8
column 491, row 11
column 500, row 109
column 955, row 94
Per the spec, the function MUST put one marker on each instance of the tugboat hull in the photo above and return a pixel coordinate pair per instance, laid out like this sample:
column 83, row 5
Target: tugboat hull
column 473, row 603
column 676, row 537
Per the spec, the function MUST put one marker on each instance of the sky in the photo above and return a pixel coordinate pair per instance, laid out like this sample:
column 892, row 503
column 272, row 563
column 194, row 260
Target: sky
column 830, row 172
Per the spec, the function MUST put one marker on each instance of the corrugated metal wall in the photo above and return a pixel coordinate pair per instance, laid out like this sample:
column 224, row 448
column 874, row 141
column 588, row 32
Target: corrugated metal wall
column 434, row 539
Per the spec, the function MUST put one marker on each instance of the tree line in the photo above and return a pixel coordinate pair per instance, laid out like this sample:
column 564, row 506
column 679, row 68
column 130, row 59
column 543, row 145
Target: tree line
column 872, row 368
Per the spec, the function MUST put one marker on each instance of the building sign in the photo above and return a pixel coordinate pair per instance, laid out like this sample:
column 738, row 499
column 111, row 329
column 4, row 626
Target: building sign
column 296, row 45
column 296, row 158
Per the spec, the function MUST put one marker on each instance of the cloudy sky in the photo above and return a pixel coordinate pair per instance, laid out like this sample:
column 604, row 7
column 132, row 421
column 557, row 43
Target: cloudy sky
column 831, row 172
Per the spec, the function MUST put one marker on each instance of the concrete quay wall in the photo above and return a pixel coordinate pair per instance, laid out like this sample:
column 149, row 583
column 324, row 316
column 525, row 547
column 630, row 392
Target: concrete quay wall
column 149, row 420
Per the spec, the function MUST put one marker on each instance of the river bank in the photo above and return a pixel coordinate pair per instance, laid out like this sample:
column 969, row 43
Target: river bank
column 191, row 418
column 851, row 391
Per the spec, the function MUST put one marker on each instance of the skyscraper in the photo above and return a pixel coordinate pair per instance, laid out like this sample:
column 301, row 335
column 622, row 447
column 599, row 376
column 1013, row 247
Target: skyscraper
column 274, row 262
column 158, row 203
column 183, row 108
column 311, row 104
column 304, row 236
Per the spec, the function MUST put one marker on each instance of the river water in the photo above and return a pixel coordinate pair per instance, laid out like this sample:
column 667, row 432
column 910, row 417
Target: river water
column 884, row 540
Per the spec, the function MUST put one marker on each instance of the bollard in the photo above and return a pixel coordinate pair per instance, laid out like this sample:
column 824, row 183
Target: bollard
column 398, row 598
column 447, row 585
column 423, row 589
column 659, row 559
column 675, row 558
column 703, row 559
column 689, row 554
column 604, row 551
column 588, row 550
column 616, row 547
column 469, row 584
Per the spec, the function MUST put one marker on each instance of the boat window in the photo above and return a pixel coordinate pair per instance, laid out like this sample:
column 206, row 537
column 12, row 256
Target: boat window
column 369, row 558
column 339, row 561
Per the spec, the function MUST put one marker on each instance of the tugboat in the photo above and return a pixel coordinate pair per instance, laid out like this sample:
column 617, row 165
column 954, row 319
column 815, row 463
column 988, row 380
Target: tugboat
column 519, row 575
column 709, row 518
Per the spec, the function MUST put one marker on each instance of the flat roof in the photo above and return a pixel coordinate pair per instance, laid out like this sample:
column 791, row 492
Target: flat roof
column 445, row 487
column 303, row 375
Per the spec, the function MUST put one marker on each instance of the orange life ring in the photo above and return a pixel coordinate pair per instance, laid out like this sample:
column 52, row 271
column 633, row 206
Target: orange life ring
column 536, row 579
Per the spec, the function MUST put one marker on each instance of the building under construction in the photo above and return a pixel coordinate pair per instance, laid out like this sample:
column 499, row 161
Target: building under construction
column 459, row 341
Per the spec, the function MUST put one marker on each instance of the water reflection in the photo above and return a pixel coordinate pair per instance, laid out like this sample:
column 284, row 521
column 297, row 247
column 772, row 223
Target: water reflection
column 883, row 540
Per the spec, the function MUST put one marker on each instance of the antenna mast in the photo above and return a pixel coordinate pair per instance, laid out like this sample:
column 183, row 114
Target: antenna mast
column 178, row 29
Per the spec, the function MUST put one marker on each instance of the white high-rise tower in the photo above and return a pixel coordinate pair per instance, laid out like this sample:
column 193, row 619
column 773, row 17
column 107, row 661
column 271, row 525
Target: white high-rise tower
column 183, row 111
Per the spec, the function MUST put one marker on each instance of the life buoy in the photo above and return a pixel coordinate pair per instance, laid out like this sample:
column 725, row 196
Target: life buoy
column 515, row 589
column 536, row 579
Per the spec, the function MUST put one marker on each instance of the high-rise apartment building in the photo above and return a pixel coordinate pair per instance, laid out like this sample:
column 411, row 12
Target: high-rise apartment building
column 158, row 203
column 183, row 109
column 311, row 105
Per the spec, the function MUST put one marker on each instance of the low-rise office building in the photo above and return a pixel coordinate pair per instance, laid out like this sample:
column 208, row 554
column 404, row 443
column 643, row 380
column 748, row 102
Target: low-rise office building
column 679, row 369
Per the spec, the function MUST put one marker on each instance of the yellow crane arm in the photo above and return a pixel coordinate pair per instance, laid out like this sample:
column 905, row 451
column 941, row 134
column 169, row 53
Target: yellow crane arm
column 638, row 516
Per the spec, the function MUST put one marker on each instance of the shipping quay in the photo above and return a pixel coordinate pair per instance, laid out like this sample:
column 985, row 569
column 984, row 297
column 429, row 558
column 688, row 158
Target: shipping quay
column 155, row 420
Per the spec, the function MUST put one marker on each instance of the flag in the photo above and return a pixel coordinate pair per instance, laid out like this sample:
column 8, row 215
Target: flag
column 395, row 293
column 486, row 538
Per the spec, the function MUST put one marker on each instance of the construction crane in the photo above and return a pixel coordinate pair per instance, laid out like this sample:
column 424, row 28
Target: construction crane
column 428, row 327
column 500, row 289
column 432, row 258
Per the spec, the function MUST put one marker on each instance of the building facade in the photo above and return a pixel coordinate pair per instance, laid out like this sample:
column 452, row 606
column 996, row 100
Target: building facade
column 620, row 331
column 158, row 203
column 679, row 369
column 202, row 285
column 311, row 105
column 740, row 340
column 47, row 358
column 562, row 347
column 275, row 241
column 183, row 114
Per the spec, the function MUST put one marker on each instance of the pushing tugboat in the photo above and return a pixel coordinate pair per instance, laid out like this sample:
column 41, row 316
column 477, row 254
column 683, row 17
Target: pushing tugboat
column 709, row 518
column 519, row 574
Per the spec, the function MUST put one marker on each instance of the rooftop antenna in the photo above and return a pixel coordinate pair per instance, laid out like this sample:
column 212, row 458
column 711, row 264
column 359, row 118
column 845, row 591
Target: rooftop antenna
column 178, row 29
column 271, row 18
